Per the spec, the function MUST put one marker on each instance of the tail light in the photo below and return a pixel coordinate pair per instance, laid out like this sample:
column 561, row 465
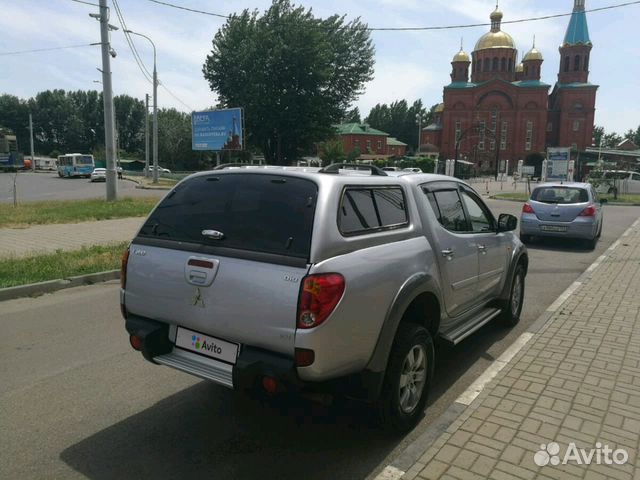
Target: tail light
column 319, row 296
column 589, row 211
column 136, row 342
column 123, row 269
column 526, row 208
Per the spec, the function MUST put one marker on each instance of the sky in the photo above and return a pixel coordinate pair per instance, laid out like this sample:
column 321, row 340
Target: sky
column 409, row 65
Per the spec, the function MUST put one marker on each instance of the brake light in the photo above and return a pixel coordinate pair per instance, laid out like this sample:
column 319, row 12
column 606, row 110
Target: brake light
column 123, row 269
column 589, row 211
column 526, row 208
column 319, row 296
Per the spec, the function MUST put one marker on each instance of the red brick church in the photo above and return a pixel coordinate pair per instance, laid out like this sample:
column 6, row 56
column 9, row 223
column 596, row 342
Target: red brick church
column 503, row 111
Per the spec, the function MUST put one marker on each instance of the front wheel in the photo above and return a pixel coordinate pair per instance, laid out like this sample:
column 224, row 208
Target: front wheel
column 407, row 379
column 512, row 308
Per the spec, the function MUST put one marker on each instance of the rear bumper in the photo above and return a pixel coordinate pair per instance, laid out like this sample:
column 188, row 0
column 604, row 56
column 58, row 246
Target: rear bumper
column 584, row 228
column 252, row 364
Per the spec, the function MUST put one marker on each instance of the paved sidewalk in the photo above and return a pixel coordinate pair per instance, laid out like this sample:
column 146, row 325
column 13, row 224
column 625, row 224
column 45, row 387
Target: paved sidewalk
column 576, row 381
column 38, row 239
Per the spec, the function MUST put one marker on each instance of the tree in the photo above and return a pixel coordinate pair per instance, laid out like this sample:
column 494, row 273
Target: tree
column 332, row 152
column 294, row 74
column 352, row 116
column 399, row 119
column 633, row 135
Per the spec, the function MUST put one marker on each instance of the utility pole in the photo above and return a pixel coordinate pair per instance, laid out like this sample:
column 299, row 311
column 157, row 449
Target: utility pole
column 155, row 105
column 107, row 93
column 33, row 160
column 146, row 135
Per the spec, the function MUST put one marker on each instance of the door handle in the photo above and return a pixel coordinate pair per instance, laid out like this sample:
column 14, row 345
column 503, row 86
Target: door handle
column 447, row 252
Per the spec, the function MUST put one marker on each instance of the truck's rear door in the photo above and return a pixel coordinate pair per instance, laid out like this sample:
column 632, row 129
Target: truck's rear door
column 223, row 256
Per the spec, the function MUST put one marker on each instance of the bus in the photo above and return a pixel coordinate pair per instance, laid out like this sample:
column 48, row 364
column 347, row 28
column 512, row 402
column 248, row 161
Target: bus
column 75, row 165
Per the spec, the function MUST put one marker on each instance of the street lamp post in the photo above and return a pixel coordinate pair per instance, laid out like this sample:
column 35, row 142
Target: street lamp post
column 155, row 106
column 420, row 117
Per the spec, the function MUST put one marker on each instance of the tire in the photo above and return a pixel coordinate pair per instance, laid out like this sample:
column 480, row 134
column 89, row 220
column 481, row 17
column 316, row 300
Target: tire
column 591, row 243
column 511, row 310
column 401, row 407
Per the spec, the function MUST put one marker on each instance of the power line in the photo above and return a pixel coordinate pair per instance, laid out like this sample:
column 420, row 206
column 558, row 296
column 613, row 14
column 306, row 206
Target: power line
column 175, row 96
column 136, row 56
column 49, row 49
column 436, row 27
column 86, row 3
column 189, row 9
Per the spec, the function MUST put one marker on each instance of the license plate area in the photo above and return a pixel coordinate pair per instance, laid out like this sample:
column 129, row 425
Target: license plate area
column 553, row 228
column 207, row 345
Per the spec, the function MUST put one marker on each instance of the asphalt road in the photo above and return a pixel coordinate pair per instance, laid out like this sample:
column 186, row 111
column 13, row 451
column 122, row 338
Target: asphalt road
column 48, row 186
column 77, row 401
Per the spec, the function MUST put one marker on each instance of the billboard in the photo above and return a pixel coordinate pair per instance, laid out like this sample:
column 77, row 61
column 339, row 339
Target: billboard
column 217, row 130
column 558, row 163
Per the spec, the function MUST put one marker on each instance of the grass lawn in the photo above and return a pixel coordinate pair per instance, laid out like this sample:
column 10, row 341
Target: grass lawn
column 523, row 197
column 61, row 264
column 519, row 196
column 72, row 211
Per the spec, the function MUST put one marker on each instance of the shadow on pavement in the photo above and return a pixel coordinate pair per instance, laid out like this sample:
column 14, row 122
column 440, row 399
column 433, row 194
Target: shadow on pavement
column 207, row 431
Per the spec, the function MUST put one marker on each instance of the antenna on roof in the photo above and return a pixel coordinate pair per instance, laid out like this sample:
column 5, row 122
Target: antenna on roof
column 534, row 40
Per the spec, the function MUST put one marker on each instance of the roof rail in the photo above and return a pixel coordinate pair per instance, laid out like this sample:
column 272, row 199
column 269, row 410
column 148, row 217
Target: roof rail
column 335, row 168
column 222, row 166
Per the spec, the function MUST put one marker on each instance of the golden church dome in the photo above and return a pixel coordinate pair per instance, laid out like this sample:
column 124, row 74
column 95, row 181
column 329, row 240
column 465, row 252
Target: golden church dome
column 532, row 54
column 495, row 38
column 461, row 56
column 519, row 68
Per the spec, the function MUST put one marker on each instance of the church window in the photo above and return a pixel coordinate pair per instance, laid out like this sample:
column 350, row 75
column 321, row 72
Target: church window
column 487, row 65
column 457, row 130
column 576, row 63
column 526, row 71
column 481, row 133
column 511, row 64
column 529, row 137
column 503, row 64
column 566, row 64
column 586, row 63
column 503, row 136
column 494, row 129
column 576, row 125
column 549, row 126
column 495, row 64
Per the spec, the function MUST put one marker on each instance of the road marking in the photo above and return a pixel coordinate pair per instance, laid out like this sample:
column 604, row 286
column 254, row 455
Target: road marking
column 390, row 473
column 561, row 299
column 476, row 387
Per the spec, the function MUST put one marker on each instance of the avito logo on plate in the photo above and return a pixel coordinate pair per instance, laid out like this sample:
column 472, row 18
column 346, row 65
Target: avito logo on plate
column 549, row 453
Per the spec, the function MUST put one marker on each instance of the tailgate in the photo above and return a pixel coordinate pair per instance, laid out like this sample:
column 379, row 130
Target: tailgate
column 223, row 254
column 238, row 300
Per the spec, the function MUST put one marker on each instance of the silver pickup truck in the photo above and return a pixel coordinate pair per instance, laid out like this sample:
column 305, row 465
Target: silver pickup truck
column 339, row 279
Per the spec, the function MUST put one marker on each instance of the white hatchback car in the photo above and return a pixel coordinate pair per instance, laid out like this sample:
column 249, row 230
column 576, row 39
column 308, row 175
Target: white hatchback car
column 624, row 182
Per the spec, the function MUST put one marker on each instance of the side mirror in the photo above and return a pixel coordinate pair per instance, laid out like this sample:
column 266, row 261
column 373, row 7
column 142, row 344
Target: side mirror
column 507, row 222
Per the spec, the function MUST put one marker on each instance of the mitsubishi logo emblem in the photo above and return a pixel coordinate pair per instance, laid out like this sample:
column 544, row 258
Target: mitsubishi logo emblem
column 197, row 299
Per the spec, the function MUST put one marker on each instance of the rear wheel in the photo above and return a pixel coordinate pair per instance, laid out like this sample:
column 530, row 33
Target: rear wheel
column 407, row 379
column 591, row 243
column 512, row 308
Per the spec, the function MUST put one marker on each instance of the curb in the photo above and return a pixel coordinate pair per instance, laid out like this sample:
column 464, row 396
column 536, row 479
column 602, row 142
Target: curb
column 403, row 465
column 35, row 289
column 144, row 187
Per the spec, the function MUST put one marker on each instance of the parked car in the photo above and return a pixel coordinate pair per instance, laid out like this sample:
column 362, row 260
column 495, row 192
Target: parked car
column 624, row 182
column 390, row 169
column 412, row 170
column 100, row 174
column 332, row 280
column 160, row 169
column 568, row 210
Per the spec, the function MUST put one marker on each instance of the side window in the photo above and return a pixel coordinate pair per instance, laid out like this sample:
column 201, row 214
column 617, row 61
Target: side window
column 366, row 209
column 635, row 177
column 451, row 211
column 390, row 203
column 479, row 218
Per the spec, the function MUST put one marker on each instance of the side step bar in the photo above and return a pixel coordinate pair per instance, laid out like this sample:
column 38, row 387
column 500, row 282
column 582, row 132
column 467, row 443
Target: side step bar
column 460, row 332
column 207, row 368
